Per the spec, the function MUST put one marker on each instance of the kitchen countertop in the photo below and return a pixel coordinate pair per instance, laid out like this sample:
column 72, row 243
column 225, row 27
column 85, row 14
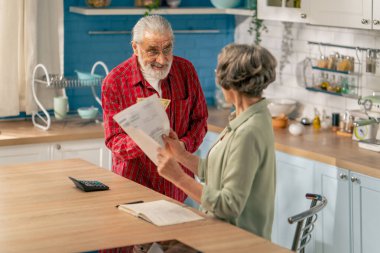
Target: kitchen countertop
column 18, row 132
column 322, row 146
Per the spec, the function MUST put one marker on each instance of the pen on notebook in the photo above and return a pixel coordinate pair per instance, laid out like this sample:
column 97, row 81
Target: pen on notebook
column 133, row 202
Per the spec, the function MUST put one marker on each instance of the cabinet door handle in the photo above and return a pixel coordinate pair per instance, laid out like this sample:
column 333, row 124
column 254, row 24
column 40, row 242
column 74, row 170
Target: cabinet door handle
column 354, row 179
column 365, row 21
column 303, row 15
column 58, row 146
column 376, row 22
column 343, row 176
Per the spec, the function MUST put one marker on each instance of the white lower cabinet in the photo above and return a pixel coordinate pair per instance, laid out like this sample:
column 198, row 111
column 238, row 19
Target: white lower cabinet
column 294, row 179
column 91, row 150
column 348, row 224
column 24, row 153
column 332, row 230
column 365, row 213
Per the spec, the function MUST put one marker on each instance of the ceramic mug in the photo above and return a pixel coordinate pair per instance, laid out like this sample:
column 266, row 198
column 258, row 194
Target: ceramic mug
column 61, row 107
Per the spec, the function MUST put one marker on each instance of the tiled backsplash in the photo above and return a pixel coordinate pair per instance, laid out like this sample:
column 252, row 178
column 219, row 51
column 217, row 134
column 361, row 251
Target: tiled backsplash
column 290, row 83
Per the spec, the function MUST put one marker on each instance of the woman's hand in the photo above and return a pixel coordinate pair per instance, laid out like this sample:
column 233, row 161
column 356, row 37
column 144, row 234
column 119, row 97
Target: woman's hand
column 173, row 145
column 167, row 166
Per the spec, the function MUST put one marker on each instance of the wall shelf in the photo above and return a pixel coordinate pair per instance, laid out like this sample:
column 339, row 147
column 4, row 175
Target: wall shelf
column 162, row 11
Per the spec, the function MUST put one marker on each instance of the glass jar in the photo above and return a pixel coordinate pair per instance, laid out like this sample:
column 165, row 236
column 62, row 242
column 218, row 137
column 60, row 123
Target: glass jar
column 332, row 60
column 345, row 63
column 370, row 65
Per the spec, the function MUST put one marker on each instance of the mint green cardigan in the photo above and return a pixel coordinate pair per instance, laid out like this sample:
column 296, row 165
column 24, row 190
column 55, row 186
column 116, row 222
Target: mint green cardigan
column 240, row 172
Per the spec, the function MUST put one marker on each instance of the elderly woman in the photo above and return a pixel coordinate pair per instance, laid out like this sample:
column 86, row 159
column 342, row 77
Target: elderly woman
column 239, row 172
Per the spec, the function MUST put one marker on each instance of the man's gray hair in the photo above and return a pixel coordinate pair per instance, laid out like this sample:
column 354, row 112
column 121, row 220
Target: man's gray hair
column 152, row 23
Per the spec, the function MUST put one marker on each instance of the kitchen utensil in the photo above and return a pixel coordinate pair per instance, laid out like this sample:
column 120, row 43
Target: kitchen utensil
column 88, row 112
column 173, row 3
column 371, row 61
column 61, row 107
column 280, row 121
column 305, row 121
column 281, row 106
column 98, row 3
column 223, row 4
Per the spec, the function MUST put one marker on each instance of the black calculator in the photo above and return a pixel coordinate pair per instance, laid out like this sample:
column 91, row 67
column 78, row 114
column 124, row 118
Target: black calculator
column 89, row 186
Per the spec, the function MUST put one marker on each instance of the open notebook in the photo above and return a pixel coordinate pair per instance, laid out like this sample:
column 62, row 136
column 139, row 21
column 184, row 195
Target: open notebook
column 161, row 212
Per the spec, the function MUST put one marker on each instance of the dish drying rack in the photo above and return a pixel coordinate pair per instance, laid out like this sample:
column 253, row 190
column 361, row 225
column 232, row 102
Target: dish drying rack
column 61, row 82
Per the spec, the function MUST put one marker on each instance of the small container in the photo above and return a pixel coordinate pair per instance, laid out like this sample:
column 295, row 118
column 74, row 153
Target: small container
column 350, row 124
column 370, row 65
column 345, row 63
column 332, row 60
column 98, row 3
column 322, row 62
column 335, row 121
column 280, row 121
column 88, row 112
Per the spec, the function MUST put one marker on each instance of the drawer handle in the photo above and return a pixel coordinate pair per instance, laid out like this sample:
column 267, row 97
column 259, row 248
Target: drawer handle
column 354, row 179
column 343, row 176
column 376, row 22
column 365, row 21
column 303, row 15
column 58, row 146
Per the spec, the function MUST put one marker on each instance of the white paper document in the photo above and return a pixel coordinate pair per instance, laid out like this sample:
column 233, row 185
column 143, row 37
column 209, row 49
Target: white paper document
column 145, row 122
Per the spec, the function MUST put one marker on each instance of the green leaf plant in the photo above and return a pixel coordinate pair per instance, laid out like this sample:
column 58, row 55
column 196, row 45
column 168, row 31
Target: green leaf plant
column 152, row 6
column 256, row 26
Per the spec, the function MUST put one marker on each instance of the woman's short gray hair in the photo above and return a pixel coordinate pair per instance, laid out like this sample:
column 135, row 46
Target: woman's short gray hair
column 248, row 69
column 152, row 23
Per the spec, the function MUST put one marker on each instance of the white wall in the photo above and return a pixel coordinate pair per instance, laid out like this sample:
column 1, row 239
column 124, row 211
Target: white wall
column 290, row 84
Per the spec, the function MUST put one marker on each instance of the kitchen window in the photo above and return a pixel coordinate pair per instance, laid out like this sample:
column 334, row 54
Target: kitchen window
column 31, row 32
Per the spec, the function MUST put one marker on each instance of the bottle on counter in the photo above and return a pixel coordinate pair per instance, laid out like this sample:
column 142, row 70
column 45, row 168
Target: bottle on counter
column 316, row 120
column 342, row 123
column 350, row 124
column 335, row 121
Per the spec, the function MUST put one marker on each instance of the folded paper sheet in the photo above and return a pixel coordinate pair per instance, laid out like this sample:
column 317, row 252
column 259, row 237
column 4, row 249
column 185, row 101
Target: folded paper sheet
column 145, row 122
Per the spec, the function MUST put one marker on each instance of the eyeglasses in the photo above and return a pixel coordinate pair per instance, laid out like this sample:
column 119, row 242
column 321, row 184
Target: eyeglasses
column 152, row 53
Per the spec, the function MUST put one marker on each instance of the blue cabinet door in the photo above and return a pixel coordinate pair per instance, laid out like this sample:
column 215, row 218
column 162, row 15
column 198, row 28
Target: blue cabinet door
column 294, row 179
column 332, row 230
column 365, row 213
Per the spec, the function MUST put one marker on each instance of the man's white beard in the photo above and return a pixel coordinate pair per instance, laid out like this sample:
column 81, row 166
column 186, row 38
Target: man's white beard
column 149, row 71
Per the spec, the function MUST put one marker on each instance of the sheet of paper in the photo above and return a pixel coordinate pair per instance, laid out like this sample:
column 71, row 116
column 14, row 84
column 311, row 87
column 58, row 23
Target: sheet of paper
column 145, row 122
column 165, row 102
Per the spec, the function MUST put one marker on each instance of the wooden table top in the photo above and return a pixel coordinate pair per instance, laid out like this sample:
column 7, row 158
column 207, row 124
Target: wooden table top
column 323, row 146
column 42, row 211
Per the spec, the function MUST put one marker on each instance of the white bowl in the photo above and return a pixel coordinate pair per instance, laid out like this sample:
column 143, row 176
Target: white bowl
column 281, row 106
column 88, row 112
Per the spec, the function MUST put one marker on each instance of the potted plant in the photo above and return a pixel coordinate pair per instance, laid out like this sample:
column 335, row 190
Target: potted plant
column 256, row 26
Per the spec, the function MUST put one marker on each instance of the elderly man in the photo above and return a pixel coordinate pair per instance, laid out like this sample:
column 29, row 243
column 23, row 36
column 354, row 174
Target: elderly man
column 153, row 70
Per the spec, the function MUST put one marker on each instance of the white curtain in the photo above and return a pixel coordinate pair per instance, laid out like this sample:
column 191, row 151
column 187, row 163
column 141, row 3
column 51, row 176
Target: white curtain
column 31, row 32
